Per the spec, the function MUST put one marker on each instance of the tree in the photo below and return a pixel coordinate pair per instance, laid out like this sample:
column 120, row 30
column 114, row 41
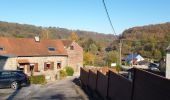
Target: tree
column 88, row 58
column 93, row 49
column 74, row 37
column 157, row 54
column 111, row 57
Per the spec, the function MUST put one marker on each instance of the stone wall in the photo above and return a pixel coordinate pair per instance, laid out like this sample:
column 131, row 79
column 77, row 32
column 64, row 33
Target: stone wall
column 42, row 60
column 75, row 56
column 12, row 63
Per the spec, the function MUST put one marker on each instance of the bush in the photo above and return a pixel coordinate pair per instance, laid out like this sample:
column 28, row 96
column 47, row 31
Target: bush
column 40, row 79
column 69, row 71
column 63, row 74
column 118, row 68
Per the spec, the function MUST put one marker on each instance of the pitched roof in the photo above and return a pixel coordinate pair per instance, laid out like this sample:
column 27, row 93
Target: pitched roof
column 67, row 43
column 134, row 56
column 29, row 47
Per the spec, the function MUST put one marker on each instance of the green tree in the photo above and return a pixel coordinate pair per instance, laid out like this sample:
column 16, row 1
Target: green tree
column 111, row 57
column 93, row 49
column 157, row 54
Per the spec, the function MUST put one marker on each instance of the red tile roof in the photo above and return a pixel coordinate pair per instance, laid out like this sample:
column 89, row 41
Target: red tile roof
column 67, row 43
column 29, row 47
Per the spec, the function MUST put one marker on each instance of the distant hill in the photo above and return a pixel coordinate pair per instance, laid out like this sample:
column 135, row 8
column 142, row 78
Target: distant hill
column 25, row 30
column 150, row 41
column 158, row 32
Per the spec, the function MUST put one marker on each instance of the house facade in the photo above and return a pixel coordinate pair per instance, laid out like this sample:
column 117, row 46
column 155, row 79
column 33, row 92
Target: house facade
column 168, row 62
column 75, row 54
column 38, row 56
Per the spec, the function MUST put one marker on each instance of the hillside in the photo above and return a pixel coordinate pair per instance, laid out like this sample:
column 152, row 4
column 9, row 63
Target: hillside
column 24, row 30
column 158, row 32
column 150, row 41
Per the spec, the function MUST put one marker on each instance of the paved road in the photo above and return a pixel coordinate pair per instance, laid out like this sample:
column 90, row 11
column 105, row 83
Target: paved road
column 58, row 90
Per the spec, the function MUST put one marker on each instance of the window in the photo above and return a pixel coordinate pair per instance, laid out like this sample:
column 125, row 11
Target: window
column 51, row 49
column 1, row 49
column 59, row 65
column 71, row 47
column 6, row 74
column 34, row 67
column 48, row 65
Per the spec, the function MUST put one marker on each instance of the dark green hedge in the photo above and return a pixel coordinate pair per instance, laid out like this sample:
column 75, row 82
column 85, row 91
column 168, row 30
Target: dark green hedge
column 40, row 79
column 69, row 71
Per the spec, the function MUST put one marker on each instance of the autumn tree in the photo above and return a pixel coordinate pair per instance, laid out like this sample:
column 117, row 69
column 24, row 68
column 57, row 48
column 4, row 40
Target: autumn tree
column 74, row 37
column 88, row 58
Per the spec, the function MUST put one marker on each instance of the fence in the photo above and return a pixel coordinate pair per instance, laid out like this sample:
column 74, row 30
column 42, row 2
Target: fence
column 119, row 87
column 102, row 84
column 145, row 85
column 148, row 86
column 84, row 76
column 92, row 80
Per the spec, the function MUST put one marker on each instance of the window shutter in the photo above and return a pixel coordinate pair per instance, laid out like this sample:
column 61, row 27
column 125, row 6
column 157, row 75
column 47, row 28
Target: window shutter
column 36, row 67
column 45, row 66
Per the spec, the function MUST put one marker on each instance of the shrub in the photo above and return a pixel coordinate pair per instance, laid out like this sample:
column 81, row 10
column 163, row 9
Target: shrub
column 63, row 74
column 69, row 71
column 118, row 68
column 40, row 79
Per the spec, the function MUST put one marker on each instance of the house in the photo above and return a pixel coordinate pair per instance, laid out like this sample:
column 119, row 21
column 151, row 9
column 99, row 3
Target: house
column 135, row 58
column 168, row 62
column 75, row 54
column 44, row 56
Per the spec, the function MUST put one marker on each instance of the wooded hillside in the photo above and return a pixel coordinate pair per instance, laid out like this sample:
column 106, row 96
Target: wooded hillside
column 150, row 41
column 25, row 30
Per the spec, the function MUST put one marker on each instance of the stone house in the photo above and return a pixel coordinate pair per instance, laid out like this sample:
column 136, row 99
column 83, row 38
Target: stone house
column 44, row 56
column 75, row 54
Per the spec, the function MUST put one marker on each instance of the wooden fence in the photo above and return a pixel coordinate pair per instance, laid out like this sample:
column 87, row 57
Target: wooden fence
column 145, row 85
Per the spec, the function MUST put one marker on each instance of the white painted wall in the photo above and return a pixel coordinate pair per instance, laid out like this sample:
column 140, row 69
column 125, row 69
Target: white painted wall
column 168, row 65
column 8, row 64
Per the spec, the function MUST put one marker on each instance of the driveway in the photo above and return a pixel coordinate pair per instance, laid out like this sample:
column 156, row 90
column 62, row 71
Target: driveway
column 5, row 93
column 59, row 90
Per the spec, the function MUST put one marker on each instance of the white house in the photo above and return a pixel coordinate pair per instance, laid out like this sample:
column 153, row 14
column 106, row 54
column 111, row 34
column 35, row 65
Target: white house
column 134, row 57
column 168, row 62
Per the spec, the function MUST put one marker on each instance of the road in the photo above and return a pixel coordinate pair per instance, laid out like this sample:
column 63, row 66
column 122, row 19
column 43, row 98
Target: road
column 59, row 90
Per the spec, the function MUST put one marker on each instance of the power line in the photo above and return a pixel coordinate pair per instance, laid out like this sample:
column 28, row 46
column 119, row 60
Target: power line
column 120, row 45
column 109, row 18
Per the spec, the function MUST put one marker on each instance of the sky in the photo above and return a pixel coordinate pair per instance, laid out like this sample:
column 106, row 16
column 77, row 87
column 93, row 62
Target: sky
column 86, row 15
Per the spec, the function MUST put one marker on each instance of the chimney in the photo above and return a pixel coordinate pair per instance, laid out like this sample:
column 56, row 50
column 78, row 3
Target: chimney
column 37, row 39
